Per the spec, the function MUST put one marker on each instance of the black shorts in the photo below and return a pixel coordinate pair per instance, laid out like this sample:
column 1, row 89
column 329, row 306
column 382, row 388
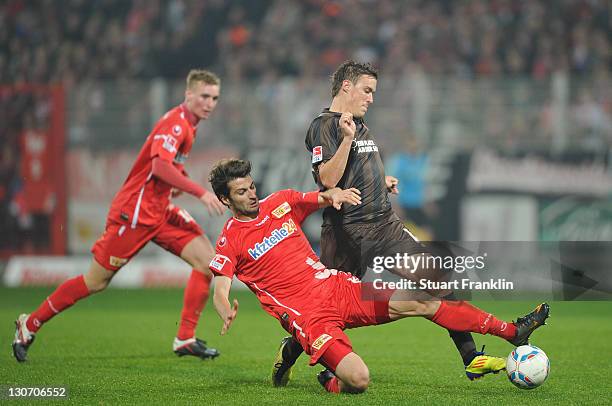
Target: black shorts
column 351, row 247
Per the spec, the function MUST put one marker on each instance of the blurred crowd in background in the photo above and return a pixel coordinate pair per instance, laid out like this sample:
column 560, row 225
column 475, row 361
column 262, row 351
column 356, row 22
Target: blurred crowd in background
column 76, row 40
column 489, row 64
column 514, row 75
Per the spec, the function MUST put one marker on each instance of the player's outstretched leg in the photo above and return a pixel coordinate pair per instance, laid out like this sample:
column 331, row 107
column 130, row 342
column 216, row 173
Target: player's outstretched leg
column 288, row 352
column 529, row 323
column 462, row 316
column 524, row 326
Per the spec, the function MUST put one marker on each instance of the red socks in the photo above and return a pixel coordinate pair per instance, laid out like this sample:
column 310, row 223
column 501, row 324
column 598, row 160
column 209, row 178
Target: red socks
column 67, row 294
column 332, row 385
column 196, row 294
column 462, row 316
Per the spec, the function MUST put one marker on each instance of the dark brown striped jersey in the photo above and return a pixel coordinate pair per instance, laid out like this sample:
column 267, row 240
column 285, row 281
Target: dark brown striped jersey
column 364, row 169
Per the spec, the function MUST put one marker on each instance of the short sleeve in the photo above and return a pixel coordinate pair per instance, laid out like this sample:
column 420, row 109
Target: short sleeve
column 322, row 140
column 167, row 140
column 302, row 203
column 224, row 262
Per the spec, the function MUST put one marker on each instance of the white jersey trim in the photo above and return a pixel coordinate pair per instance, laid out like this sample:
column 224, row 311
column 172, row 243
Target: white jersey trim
column 139, row 202
column 276, row 301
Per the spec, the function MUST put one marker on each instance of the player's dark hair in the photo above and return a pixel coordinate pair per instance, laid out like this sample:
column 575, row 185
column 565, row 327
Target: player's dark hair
column 351, row 70
column 225, row 171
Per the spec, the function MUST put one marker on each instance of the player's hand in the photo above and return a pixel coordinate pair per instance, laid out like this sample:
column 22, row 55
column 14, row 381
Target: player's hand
column 213, row 205
column 227, row 322
column 347, row 126
column 392, row 184
column 351, row 196
column 176, row 192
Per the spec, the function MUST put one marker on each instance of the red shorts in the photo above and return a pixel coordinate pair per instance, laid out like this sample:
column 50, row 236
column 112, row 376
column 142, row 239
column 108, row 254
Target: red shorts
column 339, row 305
column 120, row 242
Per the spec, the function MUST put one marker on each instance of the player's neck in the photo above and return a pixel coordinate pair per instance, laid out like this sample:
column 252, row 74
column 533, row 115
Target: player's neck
column 339, row 106
column 190, row 116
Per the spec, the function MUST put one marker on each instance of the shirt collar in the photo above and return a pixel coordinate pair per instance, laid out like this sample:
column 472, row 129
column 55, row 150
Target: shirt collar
column 338, row 114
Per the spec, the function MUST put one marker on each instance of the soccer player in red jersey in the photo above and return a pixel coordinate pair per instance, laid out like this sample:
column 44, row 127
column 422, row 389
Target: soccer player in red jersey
column 141, row 212
column 263, row 246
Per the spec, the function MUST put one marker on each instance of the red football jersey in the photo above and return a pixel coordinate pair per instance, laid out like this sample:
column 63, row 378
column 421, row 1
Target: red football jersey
column 143, row 199
column 271, row 254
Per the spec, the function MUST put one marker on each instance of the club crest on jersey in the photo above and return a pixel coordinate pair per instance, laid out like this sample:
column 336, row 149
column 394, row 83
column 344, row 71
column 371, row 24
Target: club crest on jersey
column 317, row 154
column 281, row 210
column 177, row 130
column 320, row 341
column 218, row 262
column 276, row 237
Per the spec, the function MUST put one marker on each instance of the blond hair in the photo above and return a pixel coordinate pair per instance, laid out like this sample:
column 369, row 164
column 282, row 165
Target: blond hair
column 201, row 75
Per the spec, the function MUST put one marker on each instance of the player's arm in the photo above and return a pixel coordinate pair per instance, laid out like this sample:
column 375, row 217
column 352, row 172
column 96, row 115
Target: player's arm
column 164, row 170
column 336, row 197
column 167, row 172
column 331, row 171
column 221, row 301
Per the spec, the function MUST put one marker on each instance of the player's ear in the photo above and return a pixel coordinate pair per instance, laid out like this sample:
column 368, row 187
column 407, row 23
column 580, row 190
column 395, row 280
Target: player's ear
column 346, row 85
column 225, row 201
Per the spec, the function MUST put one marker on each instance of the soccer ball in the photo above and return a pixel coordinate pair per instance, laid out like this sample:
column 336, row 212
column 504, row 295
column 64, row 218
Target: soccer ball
column 527, row 367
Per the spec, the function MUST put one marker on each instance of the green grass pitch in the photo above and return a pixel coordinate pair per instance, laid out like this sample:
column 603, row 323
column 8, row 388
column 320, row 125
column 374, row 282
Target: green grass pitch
column 115, row 348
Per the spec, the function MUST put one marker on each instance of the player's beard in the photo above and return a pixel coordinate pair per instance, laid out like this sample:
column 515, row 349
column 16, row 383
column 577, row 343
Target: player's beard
column 249, row 210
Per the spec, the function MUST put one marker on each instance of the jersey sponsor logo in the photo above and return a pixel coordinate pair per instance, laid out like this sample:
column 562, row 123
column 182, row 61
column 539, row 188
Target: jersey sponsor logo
column 281, row 210
column 169, row 144
column 218, row 262
column 320, row 341
column 317, row 154
column 116, row 261
column 365, row 146
column 276, row 237
column 177, row 130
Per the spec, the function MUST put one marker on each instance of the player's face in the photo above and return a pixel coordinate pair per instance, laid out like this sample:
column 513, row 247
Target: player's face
column 243, row 199
column 362, row 95
column 201, row 99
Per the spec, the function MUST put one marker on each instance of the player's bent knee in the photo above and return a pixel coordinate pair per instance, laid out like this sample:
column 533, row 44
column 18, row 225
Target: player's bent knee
column 353, row 373
column 359, row 380
column 97, row 278
column 95, row 285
